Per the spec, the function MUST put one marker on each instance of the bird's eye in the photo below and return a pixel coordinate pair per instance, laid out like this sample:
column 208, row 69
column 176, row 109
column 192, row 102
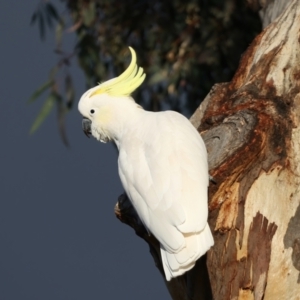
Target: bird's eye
column 92, row 111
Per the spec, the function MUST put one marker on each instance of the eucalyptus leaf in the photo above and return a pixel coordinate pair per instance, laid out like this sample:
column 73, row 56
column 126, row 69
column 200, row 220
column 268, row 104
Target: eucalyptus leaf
column 44, row 112
column 53, row 72
column 89, row 13
column 61, row 113
column 59, row 32
column 51, row 10
column 40, row 91
column 49, row 19
column 70, row 92
column 33, row 18
column 41, row 24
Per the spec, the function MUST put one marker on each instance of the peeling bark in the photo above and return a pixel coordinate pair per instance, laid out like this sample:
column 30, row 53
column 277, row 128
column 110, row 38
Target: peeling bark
column 251, row 127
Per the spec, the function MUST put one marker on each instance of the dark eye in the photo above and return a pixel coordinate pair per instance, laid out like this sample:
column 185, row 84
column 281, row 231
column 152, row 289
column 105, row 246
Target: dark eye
column 92, row 111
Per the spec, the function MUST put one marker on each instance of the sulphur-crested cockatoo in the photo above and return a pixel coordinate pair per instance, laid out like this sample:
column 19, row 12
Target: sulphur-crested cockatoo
column 162, row 165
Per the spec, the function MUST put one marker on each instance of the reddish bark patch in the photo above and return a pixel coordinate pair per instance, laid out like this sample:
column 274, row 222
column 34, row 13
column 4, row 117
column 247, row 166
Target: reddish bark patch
column 249, row 273
column 259, row 254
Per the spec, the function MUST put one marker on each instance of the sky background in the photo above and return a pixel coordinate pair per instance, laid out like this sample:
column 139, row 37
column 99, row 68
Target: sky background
column 59, row 236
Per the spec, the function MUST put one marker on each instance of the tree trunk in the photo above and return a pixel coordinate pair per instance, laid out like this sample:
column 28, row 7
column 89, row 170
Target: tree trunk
column 268, row 10
column 251, row 127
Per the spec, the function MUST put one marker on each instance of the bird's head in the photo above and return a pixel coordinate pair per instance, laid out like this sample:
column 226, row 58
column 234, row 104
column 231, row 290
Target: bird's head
column 100, row 105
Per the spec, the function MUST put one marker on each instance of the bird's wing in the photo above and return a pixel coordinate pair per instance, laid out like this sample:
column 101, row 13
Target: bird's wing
column 164, row 172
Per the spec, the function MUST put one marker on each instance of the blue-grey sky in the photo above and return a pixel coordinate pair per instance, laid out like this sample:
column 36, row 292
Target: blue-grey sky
column 59, row 236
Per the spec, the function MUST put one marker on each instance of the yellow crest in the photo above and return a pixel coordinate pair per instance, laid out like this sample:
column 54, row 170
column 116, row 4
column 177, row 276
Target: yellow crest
column 124, row 84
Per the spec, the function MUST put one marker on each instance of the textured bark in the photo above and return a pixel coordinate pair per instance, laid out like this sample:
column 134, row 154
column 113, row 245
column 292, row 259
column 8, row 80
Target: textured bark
column 268, row 10
column 251, row 127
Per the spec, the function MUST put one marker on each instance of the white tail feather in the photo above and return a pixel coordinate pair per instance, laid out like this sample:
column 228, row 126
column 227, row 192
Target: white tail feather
column 197, row 244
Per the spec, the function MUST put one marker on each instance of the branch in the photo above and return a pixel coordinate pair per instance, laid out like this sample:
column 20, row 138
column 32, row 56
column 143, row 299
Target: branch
column 192, row 285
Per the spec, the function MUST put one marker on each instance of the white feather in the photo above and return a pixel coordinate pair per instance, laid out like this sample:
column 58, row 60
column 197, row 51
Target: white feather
column 163, row 169
column 163, row 164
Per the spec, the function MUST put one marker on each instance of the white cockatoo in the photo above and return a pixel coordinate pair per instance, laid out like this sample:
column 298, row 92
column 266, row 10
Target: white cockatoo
column 162, row 166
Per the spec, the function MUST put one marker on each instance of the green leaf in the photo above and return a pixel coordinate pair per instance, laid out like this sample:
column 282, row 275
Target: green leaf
column 49, row 20
column 70, row 93
column 40, row 90
column 41, row 24
column 51, row 10
column 157, row 77
column 59, row 32
column 53, row 72
column 89, row 14
column 61, row 113
column 33, row 18
column 44, row 112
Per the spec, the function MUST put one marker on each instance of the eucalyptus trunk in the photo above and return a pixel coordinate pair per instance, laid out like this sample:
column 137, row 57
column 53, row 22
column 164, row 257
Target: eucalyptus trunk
column 251, row 127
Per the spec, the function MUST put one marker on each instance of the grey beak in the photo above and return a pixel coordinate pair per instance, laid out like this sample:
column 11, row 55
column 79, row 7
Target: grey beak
column 86, row 126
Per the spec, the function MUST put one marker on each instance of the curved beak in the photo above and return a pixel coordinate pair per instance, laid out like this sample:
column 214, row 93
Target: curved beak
column 86, row 126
